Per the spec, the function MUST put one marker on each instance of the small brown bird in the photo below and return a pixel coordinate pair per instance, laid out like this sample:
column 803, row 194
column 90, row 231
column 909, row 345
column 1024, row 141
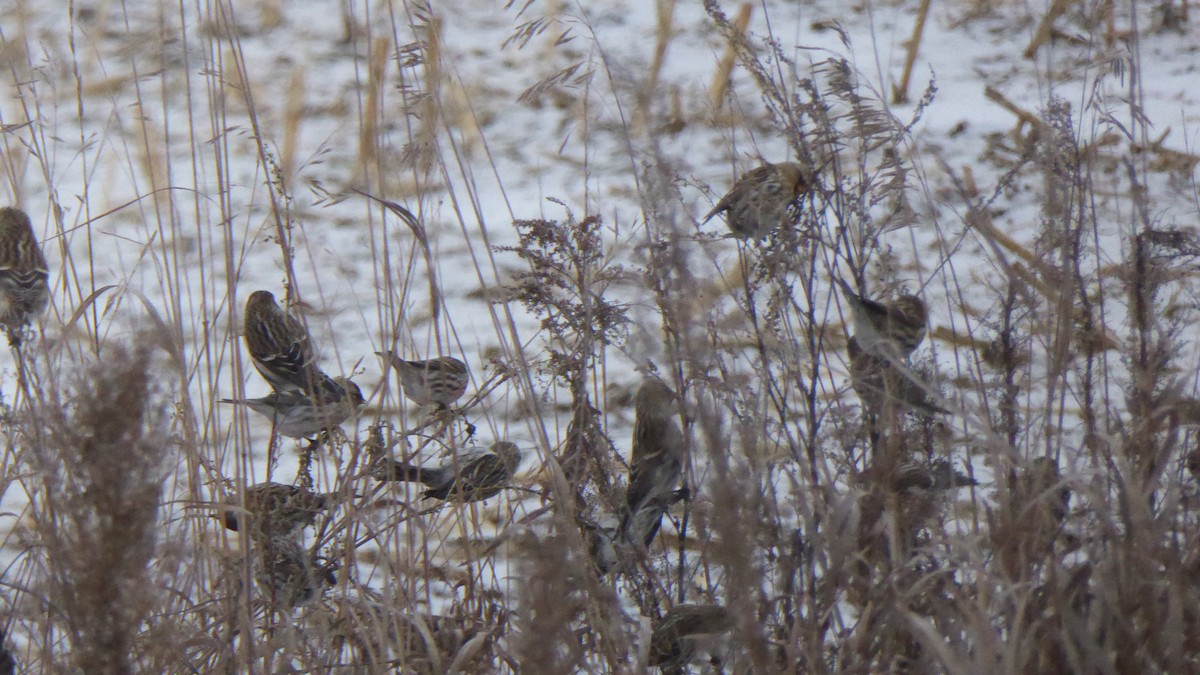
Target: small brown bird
column 674, row 642
column 762, row 200
column 892, row 331
column 878, row 380
column 271, row 510
column 296, row 414
column 24, row 275
column 280, row 346
column 656, row 465
column 439, row 381
column 475, row 474
column 939, row 474
column 287, row 575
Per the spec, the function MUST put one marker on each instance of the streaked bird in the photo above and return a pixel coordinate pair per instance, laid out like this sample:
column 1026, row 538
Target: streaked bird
column 892, row 330
column 439, row 381
column 879, row 381
column 656, row 464
column 280, row 346
column 762, row 200
column 299, row 415
column 24, row 275
column 472, row 475
column 271, row 510
column 936, row 475
column 677, row 635
column 289, row 576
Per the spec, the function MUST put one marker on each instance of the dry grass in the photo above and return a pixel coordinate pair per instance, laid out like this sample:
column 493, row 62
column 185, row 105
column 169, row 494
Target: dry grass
column 1064, row 347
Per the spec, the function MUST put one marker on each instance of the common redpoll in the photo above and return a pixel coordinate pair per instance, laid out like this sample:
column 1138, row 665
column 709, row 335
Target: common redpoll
column 24, row 276
column 287, row 575
column 299, row 415
column 439, row 381
column 893, row 330
column 280, row 346
column 878, row 381
column 473, row 475
column 675, row 639
column 939, row 474
column 271, row 510
column 656, row 465
column 762, row 200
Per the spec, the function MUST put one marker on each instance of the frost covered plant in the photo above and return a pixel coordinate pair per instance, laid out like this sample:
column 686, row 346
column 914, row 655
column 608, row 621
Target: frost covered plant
column 569, row 273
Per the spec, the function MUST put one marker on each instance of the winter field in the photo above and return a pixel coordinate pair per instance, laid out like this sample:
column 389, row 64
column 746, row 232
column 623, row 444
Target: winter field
column 1027, row 169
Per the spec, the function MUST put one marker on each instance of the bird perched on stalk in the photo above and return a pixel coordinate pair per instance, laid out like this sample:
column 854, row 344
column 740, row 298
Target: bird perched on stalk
column 439, row 381
column 656, row 465
column 24, row 275
column 280, row 346
column 272, row 510
column 289, row 576
column 762, row 200
column 879, row 380
column 892, row 330
column 473, row 475
column 674, row 641
column 939, row 474
column 297, row 414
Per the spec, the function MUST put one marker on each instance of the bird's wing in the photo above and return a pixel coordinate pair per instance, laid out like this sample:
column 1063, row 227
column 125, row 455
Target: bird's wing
column 484, row 471
column 393, row 470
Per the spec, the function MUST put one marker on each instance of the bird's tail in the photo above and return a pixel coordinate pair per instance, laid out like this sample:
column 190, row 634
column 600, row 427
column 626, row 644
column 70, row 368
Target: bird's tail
column 640, row 526
column 394, row 470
